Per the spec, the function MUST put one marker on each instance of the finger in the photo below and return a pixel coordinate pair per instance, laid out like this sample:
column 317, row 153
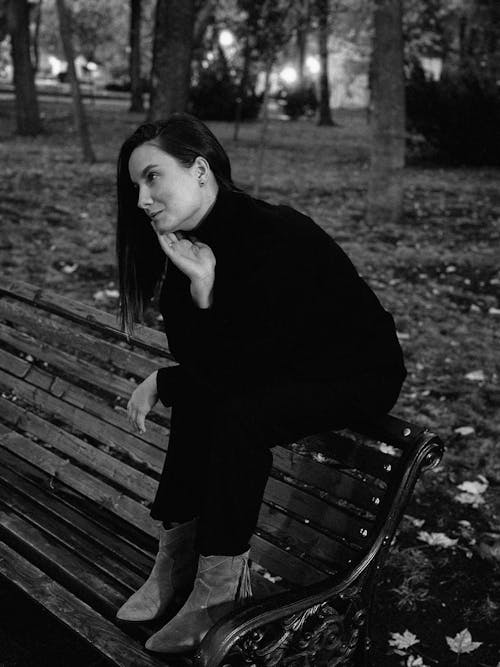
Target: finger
column 141, row 427
column 166, row 245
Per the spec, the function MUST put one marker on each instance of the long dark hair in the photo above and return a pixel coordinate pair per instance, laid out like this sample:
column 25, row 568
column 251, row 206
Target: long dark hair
column 141, row 261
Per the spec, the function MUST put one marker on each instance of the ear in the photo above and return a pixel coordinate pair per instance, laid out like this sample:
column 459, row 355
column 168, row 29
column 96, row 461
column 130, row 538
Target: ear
column 201, row 168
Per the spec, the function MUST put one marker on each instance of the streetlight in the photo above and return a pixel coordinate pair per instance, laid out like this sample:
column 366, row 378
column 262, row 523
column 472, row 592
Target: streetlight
column 289, row 75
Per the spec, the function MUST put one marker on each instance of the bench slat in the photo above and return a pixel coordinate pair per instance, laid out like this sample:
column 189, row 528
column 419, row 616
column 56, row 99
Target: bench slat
column 67, row 567
column 66, row 443
column 25, row 478
column 80, row 480
column 351, row 454
column 336, row 482
column 66, row 534
column 294, row 570
column 75, row 311
column 304, row 538
column 109, row 640
column 69, row 337
column 107, row 434
column 342, row 523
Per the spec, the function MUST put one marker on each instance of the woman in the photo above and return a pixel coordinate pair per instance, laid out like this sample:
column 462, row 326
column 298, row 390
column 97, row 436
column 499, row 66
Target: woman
column 276, row 335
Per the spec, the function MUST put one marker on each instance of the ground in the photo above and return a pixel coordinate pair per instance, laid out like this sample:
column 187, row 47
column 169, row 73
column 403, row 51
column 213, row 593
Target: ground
column 437, row 272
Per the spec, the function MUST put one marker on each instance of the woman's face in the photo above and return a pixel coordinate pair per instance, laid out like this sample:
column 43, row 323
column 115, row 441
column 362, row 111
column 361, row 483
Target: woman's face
column 167, row 191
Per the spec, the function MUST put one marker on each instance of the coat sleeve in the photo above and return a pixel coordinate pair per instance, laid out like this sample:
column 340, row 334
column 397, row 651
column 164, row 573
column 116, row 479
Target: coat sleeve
column 167, row 380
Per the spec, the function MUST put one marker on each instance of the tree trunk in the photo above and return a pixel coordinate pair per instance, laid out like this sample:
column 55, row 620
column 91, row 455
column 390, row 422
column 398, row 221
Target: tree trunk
column 325, row 114
column 136, row 102
column 27, row 113
column 302, row 30
column 263, row 131
column 78, row 108
column 385, row 191
column 203, row 18
column 172, row 51
column 242, row 88
column 36, row 36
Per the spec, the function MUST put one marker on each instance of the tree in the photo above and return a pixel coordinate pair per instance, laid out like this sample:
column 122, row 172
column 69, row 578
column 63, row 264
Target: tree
column 267, row 25
column 325, row 114
column 172, row 50
column 27, row 113
column 99, row 29
column 387, row 118
column 302, row 29
column 136, row 102
column 78, row 108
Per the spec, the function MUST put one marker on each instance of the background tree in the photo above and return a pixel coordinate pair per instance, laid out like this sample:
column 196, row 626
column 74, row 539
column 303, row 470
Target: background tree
column 17, row 18
column 325, row 114
column 100, row 32
column 172, row 50
column 136, row 88
column 78, row 108
column 301, row 32
column 387, row 118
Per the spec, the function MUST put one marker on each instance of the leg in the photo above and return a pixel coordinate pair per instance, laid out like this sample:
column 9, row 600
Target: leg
column 241, row 432
column 178, row 497
column 244, row 429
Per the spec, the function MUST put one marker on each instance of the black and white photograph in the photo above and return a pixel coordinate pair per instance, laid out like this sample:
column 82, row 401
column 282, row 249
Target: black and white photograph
column 249, row 333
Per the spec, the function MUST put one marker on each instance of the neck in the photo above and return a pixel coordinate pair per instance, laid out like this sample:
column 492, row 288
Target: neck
column 210, row 197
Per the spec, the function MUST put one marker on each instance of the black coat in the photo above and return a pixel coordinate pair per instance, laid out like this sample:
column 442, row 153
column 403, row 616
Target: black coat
column 288, row 302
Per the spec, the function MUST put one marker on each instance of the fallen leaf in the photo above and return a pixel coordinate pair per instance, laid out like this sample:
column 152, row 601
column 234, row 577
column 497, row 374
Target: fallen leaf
column 474, row 487
column 437, row 539
column 476, row 376
column 415, row 661
column 489, row 546
column 473, row 499
column 462, row 642
column 465, row 430
column 418, row 523
column 388, row 449
column 69, row 268
column 494, row 311
column 403, row 641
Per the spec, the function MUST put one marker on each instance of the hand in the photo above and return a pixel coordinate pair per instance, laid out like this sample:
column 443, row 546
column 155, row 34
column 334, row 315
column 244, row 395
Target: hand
column 192, row 257
column 142, row 400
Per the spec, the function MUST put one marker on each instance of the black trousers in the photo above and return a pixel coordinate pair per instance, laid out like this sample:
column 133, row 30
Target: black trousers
column 219, row 452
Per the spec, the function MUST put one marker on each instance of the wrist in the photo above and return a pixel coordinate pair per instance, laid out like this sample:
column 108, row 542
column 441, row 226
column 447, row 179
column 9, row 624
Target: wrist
column 202, row 293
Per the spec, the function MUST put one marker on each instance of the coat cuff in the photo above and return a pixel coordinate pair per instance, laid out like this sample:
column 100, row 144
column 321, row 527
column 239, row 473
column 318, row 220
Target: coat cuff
column 167, row 379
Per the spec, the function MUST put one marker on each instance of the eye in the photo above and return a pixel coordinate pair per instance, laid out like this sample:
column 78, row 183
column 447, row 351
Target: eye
column 151, row 176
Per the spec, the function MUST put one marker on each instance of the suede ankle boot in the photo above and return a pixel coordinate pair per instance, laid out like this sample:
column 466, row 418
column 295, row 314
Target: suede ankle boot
column 172, row 575
column 222, row 583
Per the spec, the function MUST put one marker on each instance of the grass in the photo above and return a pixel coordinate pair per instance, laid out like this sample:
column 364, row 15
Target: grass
column 437, row 272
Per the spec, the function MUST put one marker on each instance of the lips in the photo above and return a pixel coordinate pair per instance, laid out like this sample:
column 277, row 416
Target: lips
column 153, row 215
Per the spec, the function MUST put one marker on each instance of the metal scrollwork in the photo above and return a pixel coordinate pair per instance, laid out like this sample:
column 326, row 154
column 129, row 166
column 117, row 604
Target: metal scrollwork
column 321, row 636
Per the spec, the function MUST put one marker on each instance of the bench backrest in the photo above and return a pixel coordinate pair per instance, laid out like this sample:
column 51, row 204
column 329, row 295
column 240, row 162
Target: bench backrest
column 66, row 373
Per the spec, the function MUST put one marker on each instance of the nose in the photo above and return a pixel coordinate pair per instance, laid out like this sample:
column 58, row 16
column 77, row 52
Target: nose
column 144, row 199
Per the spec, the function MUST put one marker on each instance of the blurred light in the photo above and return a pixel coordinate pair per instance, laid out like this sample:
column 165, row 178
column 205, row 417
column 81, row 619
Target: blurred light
column 312, row 64
column 226, row 38
column 289, row 74
column 92, row 67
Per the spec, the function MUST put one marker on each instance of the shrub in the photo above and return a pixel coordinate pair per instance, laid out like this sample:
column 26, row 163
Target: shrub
column 458, row 116
column 215, row 96
column 299, row 101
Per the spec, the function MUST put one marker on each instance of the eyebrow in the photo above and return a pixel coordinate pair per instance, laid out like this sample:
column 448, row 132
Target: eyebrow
column 145, row 170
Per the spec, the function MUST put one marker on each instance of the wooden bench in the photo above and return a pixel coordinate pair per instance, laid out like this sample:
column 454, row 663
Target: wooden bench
column 75, row 485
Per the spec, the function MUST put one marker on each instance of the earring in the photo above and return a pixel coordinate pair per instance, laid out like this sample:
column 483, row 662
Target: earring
column 202, row 183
